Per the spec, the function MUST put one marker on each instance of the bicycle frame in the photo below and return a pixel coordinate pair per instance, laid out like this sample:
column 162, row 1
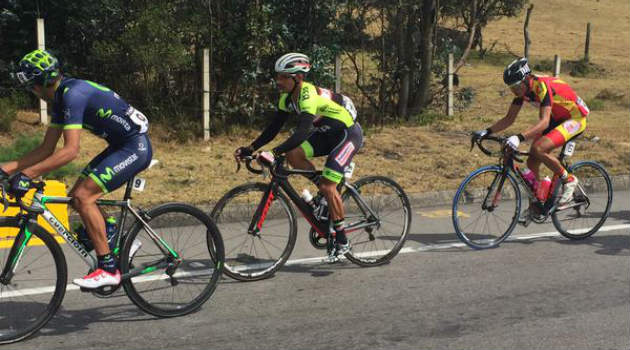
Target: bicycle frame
column 38, row 207
column 281, row 181
column 508, row 166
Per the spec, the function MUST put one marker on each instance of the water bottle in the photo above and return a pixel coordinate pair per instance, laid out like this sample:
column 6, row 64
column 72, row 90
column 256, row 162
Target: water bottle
column 530, row 179
column 111, row 227
column 543, row 189
column 82, row 236
column 347, row 172
column 308, row 197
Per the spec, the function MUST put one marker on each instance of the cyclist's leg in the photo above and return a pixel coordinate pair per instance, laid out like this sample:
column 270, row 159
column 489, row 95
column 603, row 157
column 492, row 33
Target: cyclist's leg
column 316, row 145
column 555, row 138
column 337, row 160
column 114, row 169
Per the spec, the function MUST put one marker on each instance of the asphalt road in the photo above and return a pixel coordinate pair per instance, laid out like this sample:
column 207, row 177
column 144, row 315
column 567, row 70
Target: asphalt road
column 536, row 291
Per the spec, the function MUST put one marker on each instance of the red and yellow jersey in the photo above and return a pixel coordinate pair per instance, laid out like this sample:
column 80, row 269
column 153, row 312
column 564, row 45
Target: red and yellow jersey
column 550, row 91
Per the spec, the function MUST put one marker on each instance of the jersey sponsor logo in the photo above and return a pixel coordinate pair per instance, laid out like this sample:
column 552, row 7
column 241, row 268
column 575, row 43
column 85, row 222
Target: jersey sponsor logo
column 107, row 176
column 142, row 147
column 101, row 113
column 304, row 94
column 121, row 121
column 66, row 114
column 571, row 126
column 344, row 154
column 325, row 93
column 125, row 163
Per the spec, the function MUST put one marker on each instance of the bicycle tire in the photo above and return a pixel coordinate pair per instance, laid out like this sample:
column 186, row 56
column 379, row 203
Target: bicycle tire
column 35, row 293
column 475, row 195
column 588, row 180
column 378, row 201
column 202, row 267
column 233, row 214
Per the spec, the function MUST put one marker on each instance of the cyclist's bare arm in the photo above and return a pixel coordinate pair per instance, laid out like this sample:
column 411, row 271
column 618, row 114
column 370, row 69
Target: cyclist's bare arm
column 41, row 152
column 508, row 120
column 61, row 157
column 543, row 123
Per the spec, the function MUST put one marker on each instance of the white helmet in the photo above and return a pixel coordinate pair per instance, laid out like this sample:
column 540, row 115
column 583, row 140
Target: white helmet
column 293, row 63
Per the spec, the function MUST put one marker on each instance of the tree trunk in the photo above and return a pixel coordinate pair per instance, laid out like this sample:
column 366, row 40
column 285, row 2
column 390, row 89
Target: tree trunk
column 403, row 94
column 426, row 54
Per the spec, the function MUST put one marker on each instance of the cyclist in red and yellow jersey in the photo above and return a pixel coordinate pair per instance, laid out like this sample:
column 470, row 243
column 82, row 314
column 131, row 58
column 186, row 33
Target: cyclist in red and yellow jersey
column 562, row 117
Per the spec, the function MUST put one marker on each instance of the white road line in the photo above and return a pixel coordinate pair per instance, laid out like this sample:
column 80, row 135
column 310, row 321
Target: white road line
column 319, row 260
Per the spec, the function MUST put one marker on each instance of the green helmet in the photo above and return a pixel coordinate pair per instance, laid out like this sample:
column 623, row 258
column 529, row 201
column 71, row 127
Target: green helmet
column 37, row 67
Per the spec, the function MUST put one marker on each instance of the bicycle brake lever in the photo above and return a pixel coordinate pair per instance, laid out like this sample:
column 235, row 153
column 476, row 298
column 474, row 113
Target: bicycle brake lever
column 238, row 164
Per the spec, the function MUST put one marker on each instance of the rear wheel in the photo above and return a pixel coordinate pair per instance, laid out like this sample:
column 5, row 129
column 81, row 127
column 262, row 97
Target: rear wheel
column 34, row 293
column 380, row 233
column 590, row 206
column 187, row 281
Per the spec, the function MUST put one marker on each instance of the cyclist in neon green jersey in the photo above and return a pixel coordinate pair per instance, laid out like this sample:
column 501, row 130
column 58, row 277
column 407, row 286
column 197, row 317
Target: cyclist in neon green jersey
column 76, row 105
column 327, row 126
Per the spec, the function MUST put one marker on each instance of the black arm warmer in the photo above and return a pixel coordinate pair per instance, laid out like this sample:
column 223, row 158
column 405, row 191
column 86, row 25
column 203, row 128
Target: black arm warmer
column 302, row 132
column 271, row 130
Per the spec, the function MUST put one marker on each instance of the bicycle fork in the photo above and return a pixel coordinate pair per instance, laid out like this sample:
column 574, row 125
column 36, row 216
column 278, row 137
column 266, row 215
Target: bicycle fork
column 13, row 260
column 261, row 212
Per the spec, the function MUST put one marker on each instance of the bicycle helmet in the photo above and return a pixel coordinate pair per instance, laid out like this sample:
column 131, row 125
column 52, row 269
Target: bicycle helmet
column 516, row 71
column 293, row 63
column 37, row 67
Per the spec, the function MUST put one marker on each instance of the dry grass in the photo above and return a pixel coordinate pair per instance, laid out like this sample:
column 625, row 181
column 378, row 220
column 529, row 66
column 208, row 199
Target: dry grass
column 434, row 157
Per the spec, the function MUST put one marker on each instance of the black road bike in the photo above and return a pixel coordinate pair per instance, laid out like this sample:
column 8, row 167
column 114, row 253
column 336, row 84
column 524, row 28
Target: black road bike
column 487, row 204
column 259, row 224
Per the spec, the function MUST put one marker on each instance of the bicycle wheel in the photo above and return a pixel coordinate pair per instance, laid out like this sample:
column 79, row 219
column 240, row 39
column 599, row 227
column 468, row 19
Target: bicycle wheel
column 590, row 207
column 252, row 257
column 482, row 216
column 35, row 292
column 379, row 243
column 186, row 284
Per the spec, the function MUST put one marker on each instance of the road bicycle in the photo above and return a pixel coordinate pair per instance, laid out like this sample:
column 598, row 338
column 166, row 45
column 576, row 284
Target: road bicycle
column 260, row 228
column 173, row 269
column 487, row 204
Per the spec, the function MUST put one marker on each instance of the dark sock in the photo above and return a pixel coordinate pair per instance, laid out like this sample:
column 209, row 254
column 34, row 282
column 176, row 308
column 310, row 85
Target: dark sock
column 107, row 263
column 340, row 231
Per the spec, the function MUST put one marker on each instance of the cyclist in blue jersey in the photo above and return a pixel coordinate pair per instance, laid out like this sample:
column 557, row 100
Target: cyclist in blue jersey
column 327, row 126
column 76, row 105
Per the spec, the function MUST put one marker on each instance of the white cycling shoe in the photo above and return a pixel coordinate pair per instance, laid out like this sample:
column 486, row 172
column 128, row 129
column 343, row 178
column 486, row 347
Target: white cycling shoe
column 567, row 190
column 98, row 278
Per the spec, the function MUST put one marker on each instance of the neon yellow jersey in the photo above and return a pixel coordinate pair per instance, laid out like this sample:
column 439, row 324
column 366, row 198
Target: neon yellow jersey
column 320, row 102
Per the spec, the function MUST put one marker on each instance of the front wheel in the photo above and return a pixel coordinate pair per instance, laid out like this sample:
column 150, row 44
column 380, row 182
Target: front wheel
column 252, row 256
column 180, row 265
column 590, row 206
column 378, row 217
column 486, row 207
column 30, row 298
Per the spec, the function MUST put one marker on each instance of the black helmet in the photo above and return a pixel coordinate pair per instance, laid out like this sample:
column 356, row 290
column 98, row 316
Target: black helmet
column 516, row 71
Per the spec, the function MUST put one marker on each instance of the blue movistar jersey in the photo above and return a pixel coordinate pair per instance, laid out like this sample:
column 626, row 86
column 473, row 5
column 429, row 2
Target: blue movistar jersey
column 83, row 104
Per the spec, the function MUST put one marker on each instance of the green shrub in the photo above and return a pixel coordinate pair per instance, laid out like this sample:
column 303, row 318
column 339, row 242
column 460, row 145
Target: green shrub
column 464, row 97
column 24, row 144
column 595, row 104
column 427, row 117
column 8, row 113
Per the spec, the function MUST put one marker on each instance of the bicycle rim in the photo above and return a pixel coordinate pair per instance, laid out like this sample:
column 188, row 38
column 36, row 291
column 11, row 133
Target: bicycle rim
column 378, row 243
column 185, row 284
column 481, row 225
column 36, row 290
column 251, row 257
column 590, row 206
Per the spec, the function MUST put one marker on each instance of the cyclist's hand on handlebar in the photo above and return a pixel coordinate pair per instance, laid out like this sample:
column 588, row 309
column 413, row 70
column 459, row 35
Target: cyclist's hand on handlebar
column 243, row 152
column 513, row 141
column 20, row 184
